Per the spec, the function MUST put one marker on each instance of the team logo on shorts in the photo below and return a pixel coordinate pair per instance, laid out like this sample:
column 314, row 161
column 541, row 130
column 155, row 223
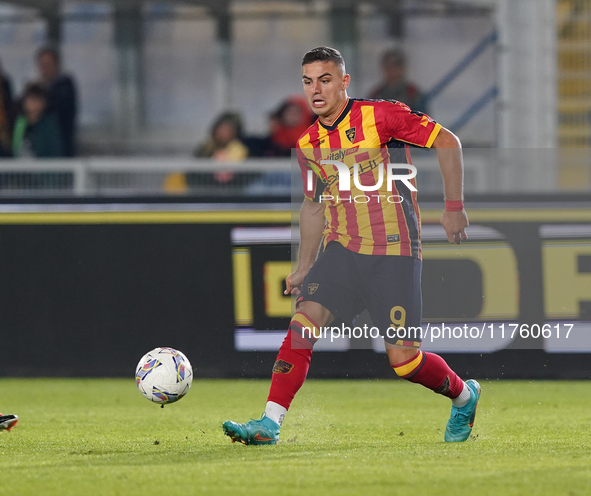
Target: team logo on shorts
column 312, row 287
column 350, row 133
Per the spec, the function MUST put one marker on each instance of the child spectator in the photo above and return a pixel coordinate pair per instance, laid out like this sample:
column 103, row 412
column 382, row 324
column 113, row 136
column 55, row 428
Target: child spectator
column 36, row 130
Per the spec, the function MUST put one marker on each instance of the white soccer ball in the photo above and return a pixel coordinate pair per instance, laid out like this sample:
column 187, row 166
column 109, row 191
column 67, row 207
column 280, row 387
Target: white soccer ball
column 164, row 375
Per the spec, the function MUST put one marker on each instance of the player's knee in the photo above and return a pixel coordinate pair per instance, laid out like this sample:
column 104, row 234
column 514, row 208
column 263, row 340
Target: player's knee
column 399, row 357
column 316, row 312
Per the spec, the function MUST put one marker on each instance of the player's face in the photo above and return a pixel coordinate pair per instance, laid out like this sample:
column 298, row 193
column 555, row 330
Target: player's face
column 325, row 87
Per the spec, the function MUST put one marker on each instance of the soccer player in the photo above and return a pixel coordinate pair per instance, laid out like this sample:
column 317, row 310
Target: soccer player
column 7, row 422
column 372, row 252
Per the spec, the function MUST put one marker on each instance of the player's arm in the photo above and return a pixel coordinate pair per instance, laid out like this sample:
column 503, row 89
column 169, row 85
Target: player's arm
column 311, row 229
column 449, row 153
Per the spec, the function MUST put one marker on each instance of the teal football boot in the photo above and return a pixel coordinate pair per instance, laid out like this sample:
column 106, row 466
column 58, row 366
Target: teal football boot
column 263, row 431
column 460, row 423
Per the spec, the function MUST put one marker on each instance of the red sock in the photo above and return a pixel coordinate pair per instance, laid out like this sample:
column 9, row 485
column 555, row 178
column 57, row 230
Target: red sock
column 431, row 371
column 293, row 360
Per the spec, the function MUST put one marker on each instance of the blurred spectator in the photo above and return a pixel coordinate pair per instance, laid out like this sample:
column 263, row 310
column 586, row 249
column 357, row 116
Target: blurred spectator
column 286, row 124
column 61, row 96
column 291, row 119
column 223, row 145
column 224, row 142
column 36, row 130
column 395, row 86
column 262, row 146
column 6, row 115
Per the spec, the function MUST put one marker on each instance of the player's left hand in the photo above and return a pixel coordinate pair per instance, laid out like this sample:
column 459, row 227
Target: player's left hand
column 454, row 224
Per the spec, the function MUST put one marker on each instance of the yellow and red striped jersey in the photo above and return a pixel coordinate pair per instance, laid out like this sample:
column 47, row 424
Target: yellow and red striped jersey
column 371, row 133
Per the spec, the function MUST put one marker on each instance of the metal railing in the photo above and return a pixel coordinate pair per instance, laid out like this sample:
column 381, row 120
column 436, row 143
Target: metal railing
column 486, row 171
column 121, row 176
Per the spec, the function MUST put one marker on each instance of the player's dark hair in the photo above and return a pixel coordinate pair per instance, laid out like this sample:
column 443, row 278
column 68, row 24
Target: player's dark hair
column 324, row 54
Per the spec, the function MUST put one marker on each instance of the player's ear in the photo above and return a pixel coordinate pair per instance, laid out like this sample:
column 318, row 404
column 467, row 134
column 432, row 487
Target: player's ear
column 346, row 81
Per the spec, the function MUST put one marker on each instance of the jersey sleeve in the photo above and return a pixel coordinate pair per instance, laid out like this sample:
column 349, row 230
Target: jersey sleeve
column 396, row 120
column 311, row 174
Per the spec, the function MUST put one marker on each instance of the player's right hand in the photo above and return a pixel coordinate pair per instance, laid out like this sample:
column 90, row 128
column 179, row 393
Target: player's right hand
column 454, row 224
column 293, row 283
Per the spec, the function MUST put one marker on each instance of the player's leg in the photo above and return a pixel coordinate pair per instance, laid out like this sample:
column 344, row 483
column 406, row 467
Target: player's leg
column 400, row 312
column 431, row 371
column 7, row 422
column 324, row 294
column 288, row 376
column 293, row 360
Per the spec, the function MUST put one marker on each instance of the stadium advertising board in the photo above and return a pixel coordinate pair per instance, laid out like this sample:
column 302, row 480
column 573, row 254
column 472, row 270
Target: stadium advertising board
column 471, row 293
column 101, row 284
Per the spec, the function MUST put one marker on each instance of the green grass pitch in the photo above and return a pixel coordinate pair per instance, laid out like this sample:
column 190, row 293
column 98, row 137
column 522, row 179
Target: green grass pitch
column 101, row 437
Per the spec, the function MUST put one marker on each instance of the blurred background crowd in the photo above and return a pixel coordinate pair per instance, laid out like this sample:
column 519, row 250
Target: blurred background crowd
column 219, row 80
column 42, row 121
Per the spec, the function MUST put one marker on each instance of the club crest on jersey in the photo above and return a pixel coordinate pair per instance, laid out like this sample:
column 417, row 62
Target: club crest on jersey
column 350, row 133
column 312, row 287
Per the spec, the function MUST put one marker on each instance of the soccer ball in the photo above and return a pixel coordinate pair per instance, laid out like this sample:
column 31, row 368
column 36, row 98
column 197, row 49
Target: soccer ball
column 164, row 375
